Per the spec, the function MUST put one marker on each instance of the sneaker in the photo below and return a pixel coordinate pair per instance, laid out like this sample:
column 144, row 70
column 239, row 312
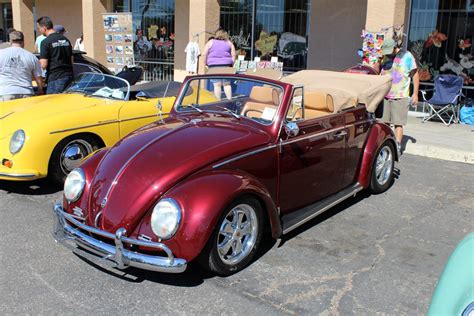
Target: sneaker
column 399, row 149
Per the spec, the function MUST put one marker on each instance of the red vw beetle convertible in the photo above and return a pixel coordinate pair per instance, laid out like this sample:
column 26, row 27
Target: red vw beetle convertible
column 223, row 169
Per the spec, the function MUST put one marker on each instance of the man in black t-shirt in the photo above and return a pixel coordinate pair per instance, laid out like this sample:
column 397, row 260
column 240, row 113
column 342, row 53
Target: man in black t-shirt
column 55, row 57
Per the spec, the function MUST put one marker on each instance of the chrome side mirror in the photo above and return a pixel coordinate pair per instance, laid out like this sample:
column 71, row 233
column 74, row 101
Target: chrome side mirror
column 291, row 129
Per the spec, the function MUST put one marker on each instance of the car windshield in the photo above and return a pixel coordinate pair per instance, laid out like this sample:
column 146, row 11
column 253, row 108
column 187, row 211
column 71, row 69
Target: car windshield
column 236, row 96
column 100, row 85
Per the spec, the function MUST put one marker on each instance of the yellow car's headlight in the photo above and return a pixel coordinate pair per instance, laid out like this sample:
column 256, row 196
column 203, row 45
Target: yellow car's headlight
column 17, row 141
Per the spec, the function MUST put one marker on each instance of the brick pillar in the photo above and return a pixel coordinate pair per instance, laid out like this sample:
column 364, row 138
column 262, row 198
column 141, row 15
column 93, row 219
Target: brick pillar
column 191, row 17
column 385, row 13
column 92, row 24
column 23, row 21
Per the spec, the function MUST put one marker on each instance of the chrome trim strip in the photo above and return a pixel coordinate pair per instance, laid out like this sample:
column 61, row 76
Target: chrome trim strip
column 17, row 175
column 117, row 253
column 312, row 135
column 142, row 117
column 357, row 188
column 243, row 156
column 125, row 165
column 1, row 118
column 84, row 126
column 105, row 122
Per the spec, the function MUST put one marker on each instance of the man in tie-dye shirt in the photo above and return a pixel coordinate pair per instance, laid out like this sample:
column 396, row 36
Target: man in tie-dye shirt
column 401, row 65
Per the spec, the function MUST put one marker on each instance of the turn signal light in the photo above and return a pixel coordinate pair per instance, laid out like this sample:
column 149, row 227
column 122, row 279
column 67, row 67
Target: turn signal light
column 7, row 163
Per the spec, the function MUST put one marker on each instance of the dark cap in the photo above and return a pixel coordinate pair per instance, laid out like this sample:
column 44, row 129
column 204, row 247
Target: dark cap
column 59, row 28
column 16, row 36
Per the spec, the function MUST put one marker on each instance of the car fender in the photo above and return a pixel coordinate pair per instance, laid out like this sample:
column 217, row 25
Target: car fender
column 378, row 134
column 203, row 197
column 88, row 165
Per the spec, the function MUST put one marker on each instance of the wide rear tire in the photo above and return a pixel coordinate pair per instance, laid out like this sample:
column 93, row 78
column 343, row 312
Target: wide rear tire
column 236, row 238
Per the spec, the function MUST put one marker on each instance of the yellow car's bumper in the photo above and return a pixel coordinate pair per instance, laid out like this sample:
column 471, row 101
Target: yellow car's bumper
column 18, row 174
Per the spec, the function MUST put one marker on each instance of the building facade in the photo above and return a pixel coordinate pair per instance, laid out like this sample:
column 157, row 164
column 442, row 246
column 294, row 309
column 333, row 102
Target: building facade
column 303, row 34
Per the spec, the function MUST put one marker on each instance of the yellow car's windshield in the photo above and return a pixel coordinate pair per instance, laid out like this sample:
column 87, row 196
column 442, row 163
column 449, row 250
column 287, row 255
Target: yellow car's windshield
column 100, row 85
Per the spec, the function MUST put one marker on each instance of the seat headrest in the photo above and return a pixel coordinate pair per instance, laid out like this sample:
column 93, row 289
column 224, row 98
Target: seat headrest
column 265, row 95
column 320, row 101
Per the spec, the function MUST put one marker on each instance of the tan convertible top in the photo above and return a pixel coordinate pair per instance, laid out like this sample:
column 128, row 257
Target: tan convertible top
column 347, row 89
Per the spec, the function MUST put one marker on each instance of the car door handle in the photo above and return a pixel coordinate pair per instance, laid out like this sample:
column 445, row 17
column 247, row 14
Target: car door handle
column 340, row 135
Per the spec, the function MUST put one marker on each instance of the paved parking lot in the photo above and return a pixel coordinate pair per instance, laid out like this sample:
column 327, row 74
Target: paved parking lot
column 374, row 254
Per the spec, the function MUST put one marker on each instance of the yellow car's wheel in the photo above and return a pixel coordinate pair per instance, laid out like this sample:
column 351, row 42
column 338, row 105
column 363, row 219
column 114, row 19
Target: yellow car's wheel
column 69, row 153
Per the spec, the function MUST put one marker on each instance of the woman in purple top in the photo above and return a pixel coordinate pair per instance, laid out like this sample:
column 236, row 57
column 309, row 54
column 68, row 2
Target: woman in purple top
column 220, row 52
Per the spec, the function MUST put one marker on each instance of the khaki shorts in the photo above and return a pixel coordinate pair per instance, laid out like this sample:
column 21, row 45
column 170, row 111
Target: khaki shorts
column 395, row 111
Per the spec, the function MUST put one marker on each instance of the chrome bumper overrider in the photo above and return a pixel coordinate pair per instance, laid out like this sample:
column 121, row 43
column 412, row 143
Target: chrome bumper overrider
column 120, row 257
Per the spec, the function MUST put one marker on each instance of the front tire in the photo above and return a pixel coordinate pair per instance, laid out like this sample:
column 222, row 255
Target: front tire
column 382, row 168
column 236, row 238
column 68, row 154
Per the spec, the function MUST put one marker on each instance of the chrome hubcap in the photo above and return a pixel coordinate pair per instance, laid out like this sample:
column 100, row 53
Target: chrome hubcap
column 73, row 153
column 384, row 165
column 237, row 234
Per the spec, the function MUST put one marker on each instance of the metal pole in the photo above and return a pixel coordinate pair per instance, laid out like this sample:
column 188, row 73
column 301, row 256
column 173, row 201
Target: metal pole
column 254, row 12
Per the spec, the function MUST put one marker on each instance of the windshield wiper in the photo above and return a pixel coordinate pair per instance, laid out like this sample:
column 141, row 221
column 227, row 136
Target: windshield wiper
column 195, row 108
column 75, row 91
column 229, row 111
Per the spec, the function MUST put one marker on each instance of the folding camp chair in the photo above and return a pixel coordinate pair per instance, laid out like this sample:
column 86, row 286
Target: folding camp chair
column 444, row 102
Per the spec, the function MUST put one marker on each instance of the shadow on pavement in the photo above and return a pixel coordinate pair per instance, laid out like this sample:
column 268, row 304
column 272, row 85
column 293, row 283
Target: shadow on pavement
column 194, row 275
column 333, row 211
column 36, row 187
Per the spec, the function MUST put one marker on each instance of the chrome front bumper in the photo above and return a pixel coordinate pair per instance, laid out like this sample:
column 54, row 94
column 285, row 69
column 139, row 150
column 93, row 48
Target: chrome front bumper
column 117, row 255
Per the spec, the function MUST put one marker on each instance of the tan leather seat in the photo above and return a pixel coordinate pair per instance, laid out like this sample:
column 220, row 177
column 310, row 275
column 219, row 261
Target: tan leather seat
column 317, row 104
column 261, row 98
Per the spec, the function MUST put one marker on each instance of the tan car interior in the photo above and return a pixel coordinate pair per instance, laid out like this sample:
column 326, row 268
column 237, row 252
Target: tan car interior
column 259, row 99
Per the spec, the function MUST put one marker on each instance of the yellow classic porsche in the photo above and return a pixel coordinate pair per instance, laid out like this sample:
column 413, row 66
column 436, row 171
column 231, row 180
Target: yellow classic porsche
column 50, row 135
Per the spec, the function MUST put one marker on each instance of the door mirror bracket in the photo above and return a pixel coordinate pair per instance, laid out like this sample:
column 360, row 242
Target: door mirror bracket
column 292, row 129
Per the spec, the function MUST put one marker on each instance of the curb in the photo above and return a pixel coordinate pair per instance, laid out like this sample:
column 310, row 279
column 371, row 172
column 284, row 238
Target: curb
column 441, row 153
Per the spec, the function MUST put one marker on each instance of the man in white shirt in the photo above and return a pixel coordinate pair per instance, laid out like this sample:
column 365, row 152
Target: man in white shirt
column 38, row 41
column 17, row 68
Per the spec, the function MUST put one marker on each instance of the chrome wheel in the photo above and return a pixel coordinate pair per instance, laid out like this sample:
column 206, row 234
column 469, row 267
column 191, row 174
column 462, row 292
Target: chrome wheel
column 384, row 165
column 237, row 234
column 73, row 153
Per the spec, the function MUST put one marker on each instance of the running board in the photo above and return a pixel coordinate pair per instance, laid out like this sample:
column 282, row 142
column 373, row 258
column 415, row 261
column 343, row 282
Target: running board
column 305, row 214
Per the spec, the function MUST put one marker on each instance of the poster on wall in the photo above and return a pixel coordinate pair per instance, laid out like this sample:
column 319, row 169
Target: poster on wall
column 118, row 29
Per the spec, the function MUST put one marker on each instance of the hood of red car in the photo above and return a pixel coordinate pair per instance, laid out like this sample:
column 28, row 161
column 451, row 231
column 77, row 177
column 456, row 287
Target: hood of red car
column 143, row 166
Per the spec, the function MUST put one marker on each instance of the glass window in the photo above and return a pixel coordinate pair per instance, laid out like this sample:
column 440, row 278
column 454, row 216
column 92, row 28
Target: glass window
column 271, row 28
column 121, row 6
column 7, row 17
column 440, row 37
column 236, row 96
column 236, row 19
column 153, row 25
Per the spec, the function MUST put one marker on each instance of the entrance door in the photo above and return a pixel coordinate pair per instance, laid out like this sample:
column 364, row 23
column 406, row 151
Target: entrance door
column 312, row 163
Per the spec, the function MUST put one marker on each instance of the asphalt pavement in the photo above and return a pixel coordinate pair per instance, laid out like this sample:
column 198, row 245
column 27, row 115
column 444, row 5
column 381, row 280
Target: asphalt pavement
column 372, row 254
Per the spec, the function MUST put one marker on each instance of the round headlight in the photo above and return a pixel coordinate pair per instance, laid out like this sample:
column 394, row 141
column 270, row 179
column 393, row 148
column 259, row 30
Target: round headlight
column 74, row 185
column 17, row 141
column 165, row 218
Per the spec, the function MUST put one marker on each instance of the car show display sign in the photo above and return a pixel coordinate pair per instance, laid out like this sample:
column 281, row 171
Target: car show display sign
column 243, row 65
column 118, row 30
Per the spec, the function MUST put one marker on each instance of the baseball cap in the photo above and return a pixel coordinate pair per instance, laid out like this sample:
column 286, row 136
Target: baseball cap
column 58, row 28
column 388, row 46
column 16, row 36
